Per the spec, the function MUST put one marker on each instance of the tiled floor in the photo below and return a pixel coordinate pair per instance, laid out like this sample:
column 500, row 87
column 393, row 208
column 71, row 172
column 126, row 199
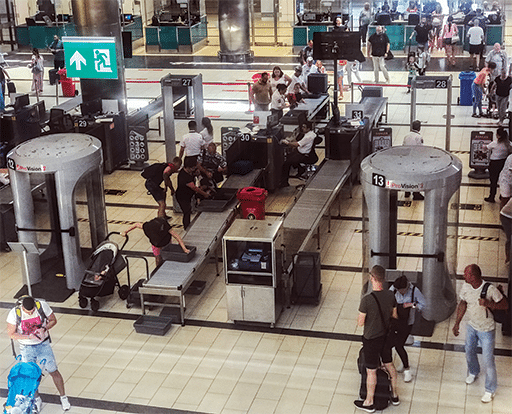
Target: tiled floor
column 307, row 364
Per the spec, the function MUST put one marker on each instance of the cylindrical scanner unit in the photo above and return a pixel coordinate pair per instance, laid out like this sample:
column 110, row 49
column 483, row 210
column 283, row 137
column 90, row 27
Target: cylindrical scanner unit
column 437, row 174
column 252, row 202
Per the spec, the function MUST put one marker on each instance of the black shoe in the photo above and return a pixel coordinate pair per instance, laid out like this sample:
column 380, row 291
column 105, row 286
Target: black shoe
column 476, row 116
column 489, row 199
column 395, row 400
column 418, row 196
column 367, row 408
column 407, row 194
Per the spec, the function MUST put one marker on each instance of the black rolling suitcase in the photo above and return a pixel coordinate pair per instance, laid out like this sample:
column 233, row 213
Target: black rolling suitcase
column 11, row 87
column 306, row 278
column 382, row 397
column 54, row 76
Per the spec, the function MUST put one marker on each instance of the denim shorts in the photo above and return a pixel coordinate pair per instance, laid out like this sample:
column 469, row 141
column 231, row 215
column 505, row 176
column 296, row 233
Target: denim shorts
column 38, row 353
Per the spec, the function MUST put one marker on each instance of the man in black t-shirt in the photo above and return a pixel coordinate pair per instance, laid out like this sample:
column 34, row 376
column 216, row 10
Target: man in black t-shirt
column 375, row 313
column 187, row 188
column 378, row 49
column 502, row 86
column 157, row 173
column 422, row 30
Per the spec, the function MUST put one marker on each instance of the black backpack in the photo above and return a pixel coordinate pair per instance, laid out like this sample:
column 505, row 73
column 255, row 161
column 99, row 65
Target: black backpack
column 382, row 397
column 500, row 316
column 157, row 231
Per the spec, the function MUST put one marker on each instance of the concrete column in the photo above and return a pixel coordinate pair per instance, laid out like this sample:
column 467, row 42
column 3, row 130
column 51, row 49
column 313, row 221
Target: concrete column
column 102, row 18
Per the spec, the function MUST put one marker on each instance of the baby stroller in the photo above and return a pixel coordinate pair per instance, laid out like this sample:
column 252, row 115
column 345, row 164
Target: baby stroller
column 23, row 382
column 100, row 277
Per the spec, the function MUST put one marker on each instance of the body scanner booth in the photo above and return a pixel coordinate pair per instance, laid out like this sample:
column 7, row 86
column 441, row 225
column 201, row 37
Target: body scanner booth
column 429, row 261
column 69, row 168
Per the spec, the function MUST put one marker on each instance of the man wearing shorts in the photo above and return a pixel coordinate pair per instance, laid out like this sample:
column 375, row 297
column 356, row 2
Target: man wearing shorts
column 476, row 44
column 375, row 312
column 157, row 173
column 29, row 323
column 160, row 234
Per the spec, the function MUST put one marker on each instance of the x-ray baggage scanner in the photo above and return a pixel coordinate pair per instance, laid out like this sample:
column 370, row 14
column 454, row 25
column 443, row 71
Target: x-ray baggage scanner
column 71, row 166
column 437, row 174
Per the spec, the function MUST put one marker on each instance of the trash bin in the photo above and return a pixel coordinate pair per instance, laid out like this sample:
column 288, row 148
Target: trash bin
column 68, row 87
column 466, row 96
column 252, row 202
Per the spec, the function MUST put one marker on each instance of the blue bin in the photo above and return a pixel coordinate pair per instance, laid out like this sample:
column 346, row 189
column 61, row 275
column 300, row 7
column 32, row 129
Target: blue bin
column 466, row 96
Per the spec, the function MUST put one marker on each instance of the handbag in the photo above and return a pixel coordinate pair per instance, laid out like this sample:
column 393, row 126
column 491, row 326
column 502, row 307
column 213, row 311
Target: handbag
column 389, row 56
column 455, row 39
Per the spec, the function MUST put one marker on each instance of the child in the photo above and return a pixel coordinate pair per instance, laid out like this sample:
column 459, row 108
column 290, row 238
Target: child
column 413, row 68
column 159, row 233
column 423, row 59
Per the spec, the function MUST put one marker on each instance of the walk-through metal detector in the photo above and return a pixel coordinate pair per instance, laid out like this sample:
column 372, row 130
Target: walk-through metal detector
column 171, row 85
column 437, row 174
column 438, row 83
column 69, row 164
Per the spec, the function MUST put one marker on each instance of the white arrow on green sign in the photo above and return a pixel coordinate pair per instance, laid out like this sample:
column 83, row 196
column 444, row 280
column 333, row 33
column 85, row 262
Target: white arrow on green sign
column 90, row 57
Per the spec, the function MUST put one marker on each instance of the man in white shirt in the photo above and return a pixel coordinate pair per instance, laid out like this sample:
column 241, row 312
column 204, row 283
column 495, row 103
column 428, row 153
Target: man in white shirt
column 279, row 100
column 476, row 43
column 481, row 327
column 192, row 143
column 414, row 138
column 307, row 68
column 28, row 323
column 300, row 153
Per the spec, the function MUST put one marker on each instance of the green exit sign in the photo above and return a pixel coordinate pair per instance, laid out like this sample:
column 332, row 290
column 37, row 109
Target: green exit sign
column 90, row 57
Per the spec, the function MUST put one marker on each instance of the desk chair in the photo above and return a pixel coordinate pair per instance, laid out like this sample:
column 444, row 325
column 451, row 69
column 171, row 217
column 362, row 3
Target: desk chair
column 307, row 167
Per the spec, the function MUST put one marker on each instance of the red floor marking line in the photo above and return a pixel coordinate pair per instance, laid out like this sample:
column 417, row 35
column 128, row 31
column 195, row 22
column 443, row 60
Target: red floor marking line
column 381, row 84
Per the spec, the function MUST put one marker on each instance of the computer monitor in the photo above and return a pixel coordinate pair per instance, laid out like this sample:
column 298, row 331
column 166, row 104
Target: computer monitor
column 272, row 120
column 90, row 108
column 20, row 101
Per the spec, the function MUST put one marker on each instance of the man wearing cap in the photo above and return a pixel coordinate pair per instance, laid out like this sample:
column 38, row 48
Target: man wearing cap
column 261, row 93
column 306, row 69
column 157, row 173
column 29, row 323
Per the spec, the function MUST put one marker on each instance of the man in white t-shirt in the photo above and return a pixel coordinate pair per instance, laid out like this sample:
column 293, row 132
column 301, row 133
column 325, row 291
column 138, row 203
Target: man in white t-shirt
column 414, row 137
column 29, row 323
column 300, row 153
column 192, row 143
column 481, row 327
column 476, row 43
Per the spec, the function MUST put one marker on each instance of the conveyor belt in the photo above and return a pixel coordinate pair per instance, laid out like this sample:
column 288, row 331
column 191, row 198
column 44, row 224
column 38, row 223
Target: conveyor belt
column 205, row 233
column 304, row 217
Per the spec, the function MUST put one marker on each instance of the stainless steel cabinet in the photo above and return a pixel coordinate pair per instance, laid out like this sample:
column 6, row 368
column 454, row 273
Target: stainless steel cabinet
column 253, row 266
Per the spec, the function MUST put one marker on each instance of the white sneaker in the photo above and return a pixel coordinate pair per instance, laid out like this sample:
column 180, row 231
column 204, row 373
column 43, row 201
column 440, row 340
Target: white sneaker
column 488, row 396
column 39, row 403
column 407, row 375
column 64, row 402
column 470, row 379
column 409, row 340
